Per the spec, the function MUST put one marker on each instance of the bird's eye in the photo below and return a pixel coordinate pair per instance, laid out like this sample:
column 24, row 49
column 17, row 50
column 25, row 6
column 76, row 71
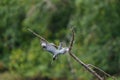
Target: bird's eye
column 44, row 46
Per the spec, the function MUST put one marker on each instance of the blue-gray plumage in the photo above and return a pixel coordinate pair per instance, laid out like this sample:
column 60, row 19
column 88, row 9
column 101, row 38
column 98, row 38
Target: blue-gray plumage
column 50, row 47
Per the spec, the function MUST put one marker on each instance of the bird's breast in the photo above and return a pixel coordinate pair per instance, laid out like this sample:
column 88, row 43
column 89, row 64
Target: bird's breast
column 51, row 49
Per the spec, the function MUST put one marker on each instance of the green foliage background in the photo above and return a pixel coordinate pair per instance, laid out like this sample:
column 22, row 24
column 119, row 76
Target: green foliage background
column 97, row 37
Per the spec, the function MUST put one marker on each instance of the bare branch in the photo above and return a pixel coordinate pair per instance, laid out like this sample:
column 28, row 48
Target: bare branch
column 103, row 72
column 86, row 66
column 72, row 40
column 80, row 62
column 41, row 38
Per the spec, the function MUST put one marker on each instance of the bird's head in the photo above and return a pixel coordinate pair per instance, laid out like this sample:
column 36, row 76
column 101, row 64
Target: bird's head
column 43, row 45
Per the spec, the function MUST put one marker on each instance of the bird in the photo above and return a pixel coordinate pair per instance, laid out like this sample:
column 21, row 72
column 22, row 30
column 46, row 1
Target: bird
column 51, row 47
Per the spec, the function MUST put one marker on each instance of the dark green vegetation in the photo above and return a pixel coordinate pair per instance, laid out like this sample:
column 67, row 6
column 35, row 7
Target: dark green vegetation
column 97, row 39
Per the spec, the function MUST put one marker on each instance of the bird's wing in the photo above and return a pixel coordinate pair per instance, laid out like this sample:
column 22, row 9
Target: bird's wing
column 60, row 45
column 53, row 45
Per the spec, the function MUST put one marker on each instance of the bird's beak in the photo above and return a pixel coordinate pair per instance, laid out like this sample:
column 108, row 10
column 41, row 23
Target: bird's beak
column 44, row 46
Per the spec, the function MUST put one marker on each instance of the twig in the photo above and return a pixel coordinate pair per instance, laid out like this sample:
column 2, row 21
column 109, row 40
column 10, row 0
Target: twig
column 80, row 62
column 106, row 74
column 41, row 38
column 72, row 41
column 90, row 65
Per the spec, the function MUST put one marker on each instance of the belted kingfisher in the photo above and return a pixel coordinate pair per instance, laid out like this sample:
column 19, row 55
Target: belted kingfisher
column 50, row 47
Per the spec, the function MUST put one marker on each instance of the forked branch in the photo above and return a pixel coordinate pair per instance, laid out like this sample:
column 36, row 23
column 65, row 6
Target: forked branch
column 86, row 66
column 79, row 61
